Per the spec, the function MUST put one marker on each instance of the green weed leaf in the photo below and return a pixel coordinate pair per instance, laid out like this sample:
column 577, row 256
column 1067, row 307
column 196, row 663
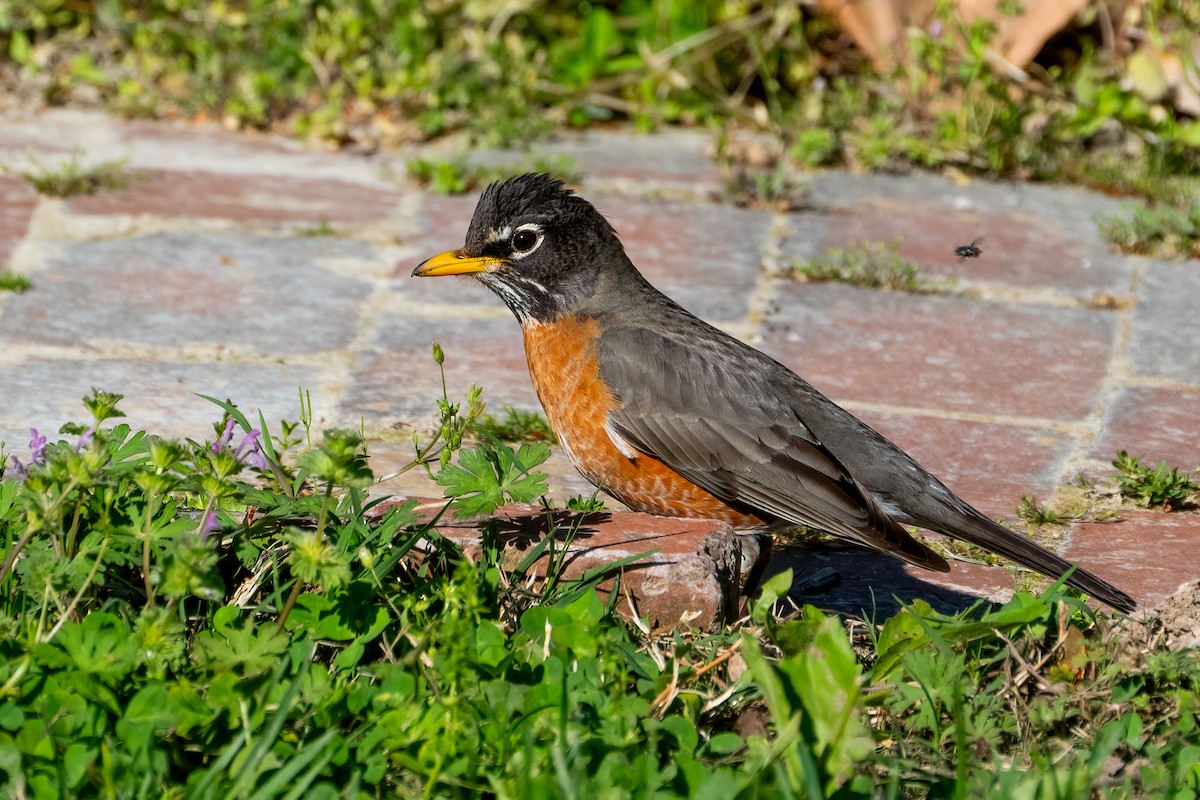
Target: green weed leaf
column 489, row 475
column 243, row 650
column 101, row 645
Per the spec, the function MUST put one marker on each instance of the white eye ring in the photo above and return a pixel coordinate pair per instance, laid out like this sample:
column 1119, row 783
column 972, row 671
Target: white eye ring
column 529, row 227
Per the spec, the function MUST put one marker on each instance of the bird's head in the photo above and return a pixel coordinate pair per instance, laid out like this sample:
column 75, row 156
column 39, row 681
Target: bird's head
column 537, row 245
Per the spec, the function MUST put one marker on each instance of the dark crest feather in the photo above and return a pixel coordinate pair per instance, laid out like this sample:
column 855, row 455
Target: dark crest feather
column 534, row 196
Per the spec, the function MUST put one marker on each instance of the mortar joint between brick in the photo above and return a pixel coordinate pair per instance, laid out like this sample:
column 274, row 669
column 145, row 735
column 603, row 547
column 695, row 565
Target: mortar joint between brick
column 767, row 279
column 195, row 353
column 1041, row 423
column 1115, row 377
column 339, row 375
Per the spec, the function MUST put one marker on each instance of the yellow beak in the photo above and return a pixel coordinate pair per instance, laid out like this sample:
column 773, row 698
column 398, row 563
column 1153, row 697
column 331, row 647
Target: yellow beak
column 454, row 262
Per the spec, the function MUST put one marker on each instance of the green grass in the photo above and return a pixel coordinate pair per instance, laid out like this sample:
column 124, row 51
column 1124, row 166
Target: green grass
column 1079, row 503
column 1162, row 231
column 517, row 425
column 239, row 617
column 586, row 503
column 871, row 265
column 457, row 175
column 1037, row 514
column 12, row 282
column 775, row 187
column 1163, row 486
column 73, row 177
column 226, row 619
column 319, row 231
column 403, row 71
column 1155, row 179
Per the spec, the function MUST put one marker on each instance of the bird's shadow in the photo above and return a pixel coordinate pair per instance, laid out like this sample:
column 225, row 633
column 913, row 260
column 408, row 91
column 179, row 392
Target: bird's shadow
column 864, row 582
column 523, row 531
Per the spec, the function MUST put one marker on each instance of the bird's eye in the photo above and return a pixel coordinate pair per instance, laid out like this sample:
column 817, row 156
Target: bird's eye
column 526, row 240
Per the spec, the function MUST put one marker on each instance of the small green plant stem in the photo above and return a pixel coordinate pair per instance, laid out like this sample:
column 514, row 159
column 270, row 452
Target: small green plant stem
column 556, row 559
column 16, row 551
column 74, row 531
column 47, row 596
column 209, row 508
column 87, row 582
column 151, row 500
column 306, row 415
column 24, row 540
column 323, row 518
column 52, row 512
column 10, row 685
column 294, row 595
column 423, row 458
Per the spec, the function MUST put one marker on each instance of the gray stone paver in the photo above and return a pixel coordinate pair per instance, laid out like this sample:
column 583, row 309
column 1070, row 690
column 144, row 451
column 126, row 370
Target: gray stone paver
column 1166, row 323
column 249, row 293
column 1033, row 236
column 160, row 396
column 201, row 280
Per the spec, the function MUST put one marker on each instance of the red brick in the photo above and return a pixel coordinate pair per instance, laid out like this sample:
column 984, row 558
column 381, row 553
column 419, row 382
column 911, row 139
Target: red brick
column 210, row 139
column 1019, row 248
column 693, row 579
column 706, row 257
column 398, row 380
column 1154, row 424
column 943, row 353
column 1148, row 554
column 245, row 197
column 988, row 465
column 17, row 203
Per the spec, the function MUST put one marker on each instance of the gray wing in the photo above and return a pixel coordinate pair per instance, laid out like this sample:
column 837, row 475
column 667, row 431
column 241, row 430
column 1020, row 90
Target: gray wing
column 724, row 416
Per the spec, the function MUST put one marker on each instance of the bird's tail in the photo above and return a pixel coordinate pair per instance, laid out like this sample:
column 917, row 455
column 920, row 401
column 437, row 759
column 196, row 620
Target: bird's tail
column 981, row 531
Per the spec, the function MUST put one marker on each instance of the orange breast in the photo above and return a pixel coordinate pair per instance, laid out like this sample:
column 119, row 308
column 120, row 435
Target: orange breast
column 565, row 368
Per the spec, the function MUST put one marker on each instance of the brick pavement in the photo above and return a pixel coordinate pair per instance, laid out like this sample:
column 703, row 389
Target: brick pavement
column 211, row 276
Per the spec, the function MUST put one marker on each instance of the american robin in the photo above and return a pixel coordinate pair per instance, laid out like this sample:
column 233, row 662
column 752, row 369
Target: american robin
column 671, row 416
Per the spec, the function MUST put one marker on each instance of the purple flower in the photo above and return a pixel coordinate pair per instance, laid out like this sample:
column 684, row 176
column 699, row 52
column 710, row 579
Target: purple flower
column 226, row 437
column 208, row 524
column 249, row 452
column 935, row 28
column 85, row 439
column 37, row 446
